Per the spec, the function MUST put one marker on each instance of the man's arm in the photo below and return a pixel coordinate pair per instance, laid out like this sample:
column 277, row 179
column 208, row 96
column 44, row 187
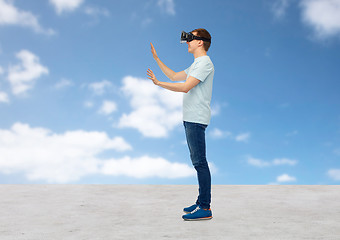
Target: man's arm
column 180, row 76
column 176, row 87
column 172, row 75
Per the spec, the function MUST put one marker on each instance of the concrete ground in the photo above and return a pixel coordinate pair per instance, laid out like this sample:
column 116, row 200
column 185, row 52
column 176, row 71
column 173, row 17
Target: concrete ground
column 34, row 212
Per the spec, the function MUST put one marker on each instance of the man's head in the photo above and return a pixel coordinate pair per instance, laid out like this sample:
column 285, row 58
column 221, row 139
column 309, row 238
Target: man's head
column 199, row 44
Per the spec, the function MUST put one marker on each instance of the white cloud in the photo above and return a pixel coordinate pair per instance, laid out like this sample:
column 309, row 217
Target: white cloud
column 23, row 75
column 99, row 88
column 108, row 107
column 63, row 83
column 88, row 104
column 167, row 6
column 10, row 15
column 243, row 137
column 4, row 97
column 284, row 161
column 323, row 16
column 215, row 109
column 218, row 133
column 277, row 161
column 258, row 162
column 155, row 111
column 95, row 11
column 145, row 167
column 334, row 174
column 43, row 155
column 212, row 167
column 66, row 5
column 279, row 8
column 285, row 178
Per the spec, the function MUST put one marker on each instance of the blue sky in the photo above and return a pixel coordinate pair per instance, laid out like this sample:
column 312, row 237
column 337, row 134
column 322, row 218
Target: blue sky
column 76, row 105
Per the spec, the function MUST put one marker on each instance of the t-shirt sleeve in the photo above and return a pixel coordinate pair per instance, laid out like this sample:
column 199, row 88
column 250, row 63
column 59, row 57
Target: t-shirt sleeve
column 201, row 70
column 187, row 70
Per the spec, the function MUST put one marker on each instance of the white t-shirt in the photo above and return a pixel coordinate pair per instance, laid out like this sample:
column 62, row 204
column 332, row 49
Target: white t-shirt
column 196, row 103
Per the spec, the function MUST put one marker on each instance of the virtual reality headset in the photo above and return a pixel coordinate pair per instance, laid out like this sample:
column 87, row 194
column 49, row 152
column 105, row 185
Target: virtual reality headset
column 188, row 37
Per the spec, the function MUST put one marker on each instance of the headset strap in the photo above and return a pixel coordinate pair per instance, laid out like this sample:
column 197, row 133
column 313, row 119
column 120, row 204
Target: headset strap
column 202, row 38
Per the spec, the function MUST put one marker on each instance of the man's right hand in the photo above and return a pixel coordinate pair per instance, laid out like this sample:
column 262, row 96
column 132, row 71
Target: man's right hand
column 153, row 51
column 167, row 71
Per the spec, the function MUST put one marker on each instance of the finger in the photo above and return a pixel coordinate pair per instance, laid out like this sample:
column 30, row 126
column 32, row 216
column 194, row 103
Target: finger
column 153, row 48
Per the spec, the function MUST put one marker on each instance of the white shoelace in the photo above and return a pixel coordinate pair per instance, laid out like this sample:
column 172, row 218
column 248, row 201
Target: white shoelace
column 197, row 208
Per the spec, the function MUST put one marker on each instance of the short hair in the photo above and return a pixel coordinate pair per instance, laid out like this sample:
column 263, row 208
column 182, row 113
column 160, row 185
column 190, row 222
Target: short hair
column 201, row 32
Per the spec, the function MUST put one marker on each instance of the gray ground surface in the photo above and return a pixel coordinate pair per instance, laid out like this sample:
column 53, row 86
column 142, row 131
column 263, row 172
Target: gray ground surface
column 154, row 212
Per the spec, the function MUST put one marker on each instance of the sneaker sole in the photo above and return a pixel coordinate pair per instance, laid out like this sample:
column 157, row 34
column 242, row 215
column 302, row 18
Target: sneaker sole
column 197, row 219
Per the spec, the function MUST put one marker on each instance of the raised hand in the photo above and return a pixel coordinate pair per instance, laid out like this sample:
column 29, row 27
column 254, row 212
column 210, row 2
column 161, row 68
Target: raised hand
column 153, row 51
column 152, row 76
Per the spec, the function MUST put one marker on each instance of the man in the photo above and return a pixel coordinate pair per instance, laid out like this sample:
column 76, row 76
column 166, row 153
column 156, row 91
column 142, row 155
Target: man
column 197, row 90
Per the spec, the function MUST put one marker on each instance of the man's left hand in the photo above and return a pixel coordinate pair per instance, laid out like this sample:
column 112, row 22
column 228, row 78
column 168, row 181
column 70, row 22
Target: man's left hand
column 152, row 77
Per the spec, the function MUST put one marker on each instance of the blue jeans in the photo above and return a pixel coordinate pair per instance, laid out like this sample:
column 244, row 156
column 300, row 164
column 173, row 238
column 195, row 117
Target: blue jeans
column 195, row 134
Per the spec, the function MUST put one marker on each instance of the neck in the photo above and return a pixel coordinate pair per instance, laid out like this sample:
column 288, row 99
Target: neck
column 200, row 53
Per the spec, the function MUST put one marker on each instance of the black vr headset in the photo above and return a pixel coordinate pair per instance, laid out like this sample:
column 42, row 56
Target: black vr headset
column 188, row 37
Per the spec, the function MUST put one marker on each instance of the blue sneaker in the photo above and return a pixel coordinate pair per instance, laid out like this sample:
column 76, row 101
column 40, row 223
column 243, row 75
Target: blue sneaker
column 190, row 209
column 198, row 214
